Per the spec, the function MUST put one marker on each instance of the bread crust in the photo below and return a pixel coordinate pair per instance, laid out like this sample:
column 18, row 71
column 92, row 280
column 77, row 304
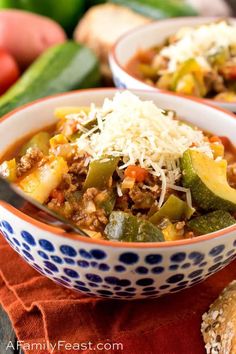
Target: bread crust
column 219, row 323
column 102, row 25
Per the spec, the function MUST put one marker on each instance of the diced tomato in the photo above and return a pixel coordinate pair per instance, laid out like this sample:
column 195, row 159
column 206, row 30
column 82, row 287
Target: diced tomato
column 136, row 172
column 146, row 56
column 9, row 71
column 58, row 195
column 215, row 139
column 229, row 72
column 228, row 145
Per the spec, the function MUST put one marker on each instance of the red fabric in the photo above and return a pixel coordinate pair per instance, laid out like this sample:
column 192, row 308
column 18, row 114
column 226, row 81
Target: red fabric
column 43, row 311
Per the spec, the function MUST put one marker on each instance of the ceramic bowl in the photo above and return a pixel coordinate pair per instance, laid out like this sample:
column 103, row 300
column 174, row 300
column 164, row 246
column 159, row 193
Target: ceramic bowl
column 147, row 36
column 117, row 270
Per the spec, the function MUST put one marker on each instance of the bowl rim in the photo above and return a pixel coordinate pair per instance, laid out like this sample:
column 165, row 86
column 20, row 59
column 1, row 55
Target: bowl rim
column 114, row 57
column 120, row 244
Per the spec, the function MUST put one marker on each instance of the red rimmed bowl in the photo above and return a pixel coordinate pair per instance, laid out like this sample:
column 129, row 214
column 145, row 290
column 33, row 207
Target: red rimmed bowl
column 145, row 37
column 109, row 269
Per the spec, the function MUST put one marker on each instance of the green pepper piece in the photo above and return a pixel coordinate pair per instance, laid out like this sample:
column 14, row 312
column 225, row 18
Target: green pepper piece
column 89, row 125
column 187, row 76
column 100, row 172
column 126, row 227
column 106, row 200
column 174, row 209
column 40, row 140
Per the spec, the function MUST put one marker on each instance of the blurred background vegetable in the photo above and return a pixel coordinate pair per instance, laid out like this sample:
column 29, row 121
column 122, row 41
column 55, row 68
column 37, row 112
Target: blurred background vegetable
column 30, row 27
column 65, row 12
column 157, row 9
column 9, row 72
column 62, row 68
column 26, row 35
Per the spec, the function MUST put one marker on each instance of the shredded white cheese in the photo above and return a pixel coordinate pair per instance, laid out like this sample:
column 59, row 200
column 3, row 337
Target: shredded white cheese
column 140, row 133
column 199, row 43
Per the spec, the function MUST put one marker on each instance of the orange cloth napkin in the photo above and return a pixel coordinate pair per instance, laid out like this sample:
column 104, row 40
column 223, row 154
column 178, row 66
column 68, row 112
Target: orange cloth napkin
column 42, row 312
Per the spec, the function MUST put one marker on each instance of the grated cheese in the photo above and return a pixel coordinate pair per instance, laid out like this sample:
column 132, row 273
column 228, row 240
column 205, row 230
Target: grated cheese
column 199, row 43
column 140, row 133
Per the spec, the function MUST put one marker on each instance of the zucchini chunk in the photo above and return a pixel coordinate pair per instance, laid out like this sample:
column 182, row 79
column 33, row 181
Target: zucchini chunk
column 40, row 141
column 214, row 221
column 126, row 227
column 207, row 180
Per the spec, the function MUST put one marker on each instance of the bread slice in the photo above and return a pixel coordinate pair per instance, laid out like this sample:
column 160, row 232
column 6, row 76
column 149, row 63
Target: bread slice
column 102, row 25
column 219, row 323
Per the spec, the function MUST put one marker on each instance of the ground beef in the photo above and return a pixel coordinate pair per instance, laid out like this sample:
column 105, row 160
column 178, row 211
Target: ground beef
column 214, row 82
column 28, row 161
column 141, row 198
column 78, row 165
column 122, row 203
column 94, row 221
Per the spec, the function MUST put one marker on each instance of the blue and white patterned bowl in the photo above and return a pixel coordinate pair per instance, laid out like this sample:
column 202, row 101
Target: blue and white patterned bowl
column 112, row 269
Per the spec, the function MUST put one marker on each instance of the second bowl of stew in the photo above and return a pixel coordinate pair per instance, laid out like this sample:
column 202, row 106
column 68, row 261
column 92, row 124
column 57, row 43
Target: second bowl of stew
column 189, row 56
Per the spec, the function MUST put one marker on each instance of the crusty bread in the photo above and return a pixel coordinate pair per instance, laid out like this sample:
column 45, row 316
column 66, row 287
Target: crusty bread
column 102, row 25
column 219, row 323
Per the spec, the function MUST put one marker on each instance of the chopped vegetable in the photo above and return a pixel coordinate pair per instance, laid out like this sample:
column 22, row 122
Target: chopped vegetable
column 63, row 112
column 171, row 232
column 188, row 79
column 207, row 180
column 148, row 71
column 100, row 172
column 126, row 227
column 40, row 141
column 106, row 200
column 217, row 149
column 211, row 222
column 174, row 209
column 136, row 172
column 39, row 183
column 229, row 72
column 8, row 170
column 58, row 140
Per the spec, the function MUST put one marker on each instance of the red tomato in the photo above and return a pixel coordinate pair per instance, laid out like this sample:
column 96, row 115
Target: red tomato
column 136, row 172
column 215, row 139
column 229, row 146
column 9, row 71
column 229, row 72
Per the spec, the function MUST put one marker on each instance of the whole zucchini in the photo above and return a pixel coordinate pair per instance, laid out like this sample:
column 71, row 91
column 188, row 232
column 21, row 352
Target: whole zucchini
column 62, row 68
column 157, row 9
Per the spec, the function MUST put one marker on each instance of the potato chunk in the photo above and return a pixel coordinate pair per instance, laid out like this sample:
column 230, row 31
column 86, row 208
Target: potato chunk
column 39, row 183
